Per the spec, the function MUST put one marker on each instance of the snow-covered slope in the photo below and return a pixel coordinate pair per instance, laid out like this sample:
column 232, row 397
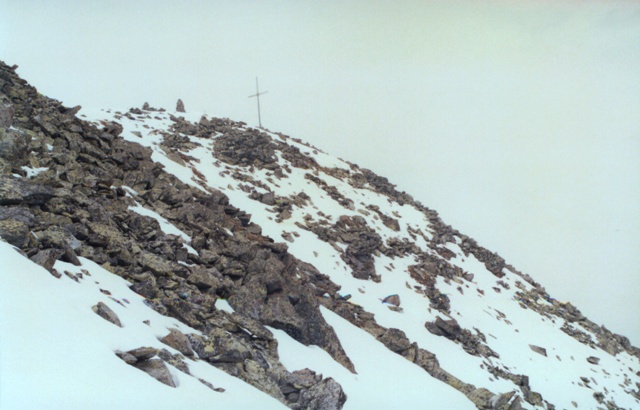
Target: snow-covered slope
column 507, row 310
column 172, row 228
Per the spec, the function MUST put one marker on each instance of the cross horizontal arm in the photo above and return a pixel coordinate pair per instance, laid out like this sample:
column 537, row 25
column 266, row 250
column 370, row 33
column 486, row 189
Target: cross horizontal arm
column 258, row 94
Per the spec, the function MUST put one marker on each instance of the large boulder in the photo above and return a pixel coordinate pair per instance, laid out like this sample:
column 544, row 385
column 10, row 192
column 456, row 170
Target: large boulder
column 157, row 369
column 15, row 232
column 178, row 341
column 326, row 395
column 106, row 313
column 16, row 192
column 47, row 258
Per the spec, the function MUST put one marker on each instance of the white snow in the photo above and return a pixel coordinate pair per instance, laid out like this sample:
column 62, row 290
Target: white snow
column 32, row 172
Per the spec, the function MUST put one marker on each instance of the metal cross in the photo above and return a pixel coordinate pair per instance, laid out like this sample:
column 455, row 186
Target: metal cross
column 257, row 95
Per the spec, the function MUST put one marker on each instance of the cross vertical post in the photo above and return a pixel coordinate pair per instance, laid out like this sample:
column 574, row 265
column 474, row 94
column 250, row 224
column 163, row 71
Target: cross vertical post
column 257, row 95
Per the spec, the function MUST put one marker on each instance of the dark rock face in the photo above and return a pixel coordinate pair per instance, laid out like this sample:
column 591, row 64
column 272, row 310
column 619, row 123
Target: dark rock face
column 180, row 106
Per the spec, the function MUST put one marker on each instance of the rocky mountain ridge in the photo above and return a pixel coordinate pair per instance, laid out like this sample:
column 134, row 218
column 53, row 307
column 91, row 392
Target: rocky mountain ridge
column 101, row 189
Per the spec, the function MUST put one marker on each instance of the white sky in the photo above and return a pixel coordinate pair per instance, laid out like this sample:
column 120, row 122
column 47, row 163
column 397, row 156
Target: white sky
column 519, row 124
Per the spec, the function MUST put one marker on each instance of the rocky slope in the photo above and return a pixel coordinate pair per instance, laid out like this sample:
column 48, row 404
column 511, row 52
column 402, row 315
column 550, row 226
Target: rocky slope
column 193, row 211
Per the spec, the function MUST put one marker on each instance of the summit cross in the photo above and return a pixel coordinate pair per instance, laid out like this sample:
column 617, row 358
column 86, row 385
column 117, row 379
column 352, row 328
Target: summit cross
column 257, row 95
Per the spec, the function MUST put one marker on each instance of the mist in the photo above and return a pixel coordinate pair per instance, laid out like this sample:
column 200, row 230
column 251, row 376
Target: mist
column 518, row 123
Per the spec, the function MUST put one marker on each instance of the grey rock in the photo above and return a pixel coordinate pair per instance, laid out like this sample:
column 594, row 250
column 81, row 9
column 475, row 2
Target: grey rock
column 15, row 192
column 14, row 232
column 539, row 350
column 106, row 313
column 157, row 369
column 143, row 353
column 47, row 258
column 205, row 279
column 6, row 115
column 395, row 340
column 14, row 145
column 127, row 357
column 326, row 395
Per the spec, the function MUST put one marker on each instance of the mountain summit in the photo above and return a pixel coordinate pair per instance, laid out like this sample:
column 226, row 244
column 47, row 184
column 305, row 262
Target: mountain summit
column 155, row 259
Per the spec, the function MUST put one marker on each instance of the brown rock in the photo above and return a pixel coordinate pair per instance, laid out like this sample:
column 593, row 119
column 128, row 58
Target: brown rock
column 157, row 369
column 143, row 353
column 180, row 106
column 178, row 341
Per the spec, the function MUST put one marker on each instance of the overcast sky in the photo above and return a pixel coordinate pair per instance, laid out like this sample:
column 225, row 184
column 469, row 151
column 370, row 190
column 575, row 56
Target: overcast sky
column 518, row 123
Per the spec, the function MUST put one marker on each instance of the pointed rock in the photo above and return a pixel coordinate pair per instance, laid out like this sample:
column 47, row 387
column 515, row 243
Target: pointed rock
column 157, row 369
column 106, row 313
column 539, row 350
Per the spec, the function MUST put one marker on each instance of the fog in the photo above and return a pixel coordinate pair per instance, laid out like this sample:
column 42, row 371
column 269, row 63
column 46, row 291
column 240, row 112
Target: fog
column 518, row 123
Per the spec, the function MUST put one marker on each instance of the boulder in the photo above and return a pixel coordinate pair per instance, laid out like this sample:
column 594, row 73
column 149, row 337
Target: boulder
column 14, row 145
column 220, row 347
column 326, row 395
column 392, row 300
column 447, row 328
column 15, row 192
column 593, row 360
column 157, row 369
column 15, row 232
column 47, row 258
column 205, row 279
column 539, row 350
column 143, row 353
column 106, row 313
column 128, row 358
column 178, row 341
column 395, row 340
column 6, row 115
column 180, row 106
